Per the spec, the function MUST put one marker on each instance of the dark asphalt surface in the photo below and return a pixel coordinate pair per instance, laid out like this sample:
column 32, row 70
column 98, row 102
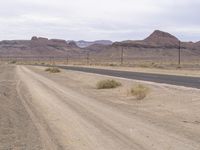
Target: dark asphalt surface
column 186, row 81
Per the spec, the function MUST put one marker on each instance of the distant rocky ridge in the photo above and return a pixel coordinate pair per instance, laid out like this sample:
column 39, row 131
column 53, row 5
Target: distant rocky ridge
column 84, row 44
column 38, row 46
column 159, row 44
column 158, row 39
column 158, row 47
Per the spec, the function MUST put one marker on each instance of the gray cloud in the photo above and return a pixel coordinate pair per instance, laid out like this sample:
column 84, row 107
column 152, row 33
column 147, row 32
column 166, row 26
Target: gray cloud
column 95, row 19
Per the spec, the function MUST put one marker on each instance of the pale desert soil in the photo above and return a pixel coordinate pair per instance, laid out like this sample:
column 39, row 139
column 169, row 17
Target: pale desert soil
column 66, row 111
column 16, row 128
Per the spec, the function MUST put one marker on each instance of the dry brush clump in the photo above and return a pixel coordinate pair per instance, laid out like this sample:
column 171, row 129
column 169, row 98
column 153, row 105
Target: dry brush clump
column 107, row 84
column 13, row 62
column 139, row 91
column 53, row 70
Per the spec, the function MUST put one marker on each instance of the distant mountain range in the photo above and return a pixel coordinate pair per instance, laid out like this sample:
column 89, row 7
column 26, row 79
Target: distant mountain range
column 158, row 45
column 84, row 44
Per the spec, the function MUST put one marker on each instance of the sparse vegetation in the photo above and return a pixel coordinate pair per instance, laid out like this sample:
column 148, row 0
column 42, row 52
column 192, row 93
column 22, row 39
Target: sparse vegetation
column 13, row 62
column 112, row 65
column 107, row 84
column 151, row 65
column 52, row 70
column 145, row 65
column 178, row 67
column 139, row 91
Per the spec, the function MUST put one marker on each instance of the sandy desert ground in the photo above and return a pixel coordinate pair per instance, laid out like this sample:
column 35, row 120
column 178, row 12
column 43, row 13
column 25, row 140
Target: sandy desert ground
column 40, row 110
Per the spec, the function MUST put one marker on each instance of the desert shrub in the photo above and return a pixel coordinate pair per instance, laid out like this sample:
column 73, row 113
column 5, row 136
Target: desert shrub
column 13, row 62
column 53, row 70
column 139, row 91
column 178, row 67
column 145, row 65
column 159, row 66
column 47, row 69
column 107, row 84
column 112, row 65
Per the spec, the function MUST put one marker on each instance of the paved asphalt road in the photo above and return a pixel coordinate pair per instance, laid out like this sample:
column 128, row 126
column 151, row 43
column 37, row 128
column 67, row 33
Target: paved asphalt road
column 186, row 81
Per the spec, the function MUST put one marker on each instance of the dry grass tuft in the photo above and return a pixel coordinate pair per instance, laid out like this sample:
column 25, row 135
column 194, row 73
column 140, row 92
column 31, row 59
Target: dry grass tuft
column 139, row 91
column 13, row 62
column 107, row 84
column 53, row 70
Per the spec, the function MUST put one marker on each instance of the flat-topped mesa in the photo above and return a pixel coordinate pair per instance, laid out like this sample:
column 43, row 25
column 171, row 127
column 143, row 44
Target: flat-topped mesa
column 35, row 38
column 41, row 41
column 58, row 41
column 38, row 42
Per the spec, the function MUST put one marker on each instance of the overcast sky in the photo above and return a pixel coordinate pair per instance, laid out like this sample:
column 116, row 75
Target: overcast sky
column 98, row 19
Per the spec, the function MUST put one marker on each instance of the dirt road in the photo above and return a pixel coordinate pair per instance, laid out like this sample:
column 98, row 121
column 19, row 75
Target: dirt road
column 16, row 128
column 43, row 113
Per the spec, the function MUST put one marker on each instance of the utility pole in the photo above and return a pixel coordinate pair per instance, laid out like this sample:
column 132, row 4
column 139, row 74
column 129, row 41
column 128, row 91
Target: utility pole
column 179, row 53
column 88, row 57
column 54, row 61
column 50, row 61
column 67, row 59
column 122, row 56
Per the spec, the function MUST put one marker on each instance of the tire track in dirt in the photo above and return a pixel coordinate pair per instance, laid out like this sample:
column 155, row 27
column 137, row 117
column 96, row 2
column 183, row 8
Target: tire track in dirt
column 93, row 125
column 47, row 141
column 16, row 128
